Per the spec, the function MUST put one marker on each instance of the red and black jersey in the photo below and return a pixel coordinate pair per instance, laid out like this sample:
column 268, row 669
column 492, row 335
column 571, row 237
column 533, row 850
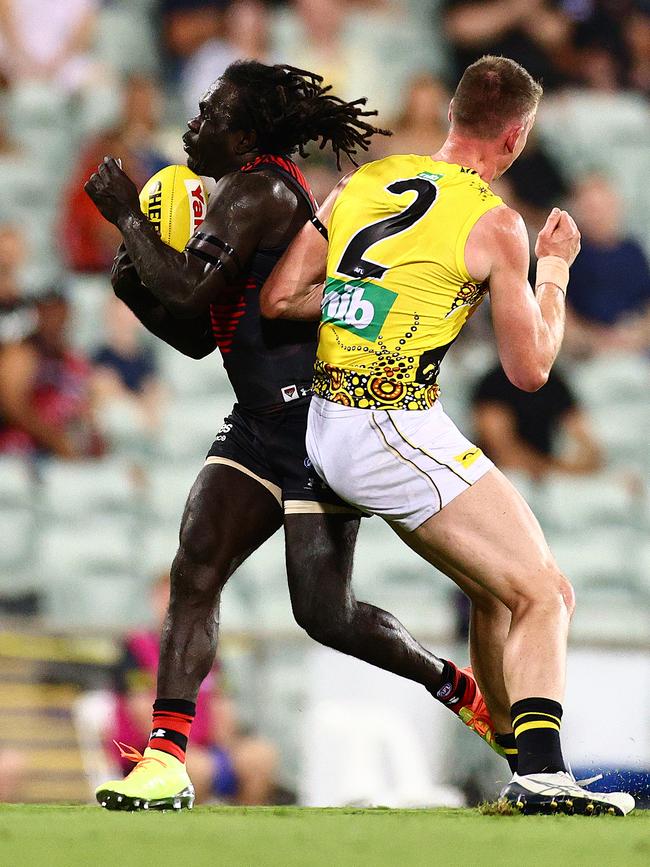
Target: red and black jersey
column 268, row 362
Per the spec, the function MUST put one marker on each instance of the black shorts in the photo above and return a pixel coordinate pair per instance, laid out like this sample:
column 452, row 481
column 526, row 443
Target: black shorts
column 271, row 448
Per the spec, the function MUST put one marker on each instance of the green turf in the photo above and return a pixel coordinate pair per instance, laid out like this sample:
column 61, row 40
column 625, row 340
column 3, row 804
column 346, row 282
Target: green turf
column 286, row 836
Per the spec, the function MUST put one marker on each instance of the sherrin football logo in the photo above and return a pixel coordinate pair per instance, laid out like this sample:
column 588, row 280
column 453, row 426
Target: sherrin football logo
column 175, row 200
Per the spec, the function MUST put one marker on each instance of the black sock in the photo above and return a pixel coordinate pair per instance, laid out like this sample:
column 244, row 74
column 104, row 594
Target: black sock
column 508, row 744
column 536, row 726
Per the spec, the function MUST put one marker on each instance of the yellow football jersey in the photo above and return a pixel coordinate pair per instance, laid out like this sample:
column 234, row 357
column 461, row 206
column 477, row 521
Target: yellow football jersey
column 397, row 291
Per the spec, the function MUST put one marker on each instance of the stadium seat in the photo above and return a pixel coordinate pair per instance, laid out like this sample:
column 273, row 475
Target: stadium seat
column 108, row 602
column 611, row 378
column 602, row 123
column 611, row 615
column 157, row 545
column 188, row 377
column 574, row 502
column 16, row 484
column 261, row 584
column 643, row 564
column 622, row 429
column 168, row 484
column 16, row 545
column 88, row 297
column 189, row 426
column 77, row 551
column 125, row 38
column 76, row 490
column 599, row 557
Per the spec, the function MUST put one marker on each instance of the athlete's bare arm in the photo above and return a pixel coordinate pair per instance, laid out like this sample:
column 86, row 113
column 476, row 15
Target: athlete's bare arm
column 529, row 326
column 246, row 211
column 294, row 289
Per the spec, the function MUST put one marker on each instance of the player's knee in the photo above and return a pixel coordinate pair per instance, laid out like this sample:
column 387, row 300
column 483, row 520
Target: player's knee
column 320, row 622
column 568, row 595
column 196, row 574
column 550, row 591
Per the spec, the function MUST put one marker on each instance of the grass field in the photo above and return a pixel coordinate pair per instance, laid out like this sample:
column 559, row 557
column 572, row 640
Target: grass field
column 285, row 836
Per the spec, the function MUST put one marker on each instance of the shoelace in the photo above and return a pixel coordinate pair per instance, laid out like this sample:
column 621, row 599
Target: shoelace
column 572, row 783
column 589, row 780
column 133, row 755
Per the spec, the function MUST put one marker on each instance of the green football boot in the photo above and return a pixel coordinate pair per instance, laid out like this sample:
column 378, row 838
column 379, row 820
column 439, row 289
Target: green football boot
column 157, row 782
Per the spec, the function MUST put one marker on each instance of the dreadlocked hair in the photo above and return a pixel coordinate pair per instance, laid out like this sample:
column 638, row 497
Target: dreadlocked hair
column 289, row 107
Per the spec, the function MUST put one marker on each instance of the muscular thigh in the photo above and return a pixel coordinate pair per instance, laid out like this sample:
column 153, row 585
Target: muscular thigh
column 488, row 534
column 319, row 551
column 228, row 515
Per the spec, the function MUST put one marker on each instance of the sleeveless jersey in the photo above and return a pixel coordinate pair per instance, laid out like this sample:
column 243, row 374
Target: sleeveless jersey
column 268, row 362
column 397, row 291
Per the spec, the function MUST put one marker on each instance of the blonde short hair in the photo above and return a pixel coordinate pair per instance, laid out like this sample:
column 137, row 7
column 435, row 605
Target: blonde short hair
column 493, row 92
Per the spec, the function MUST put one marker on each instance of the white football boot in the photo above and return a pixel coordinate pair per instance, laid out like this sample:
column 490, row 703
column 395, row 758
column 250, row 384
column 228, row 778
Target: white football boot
column 559, row 793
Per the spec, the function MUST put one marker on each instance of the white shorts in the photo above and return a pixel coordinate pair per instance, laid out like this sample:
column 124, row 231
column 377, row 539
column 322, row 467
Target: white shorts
column 403, row 465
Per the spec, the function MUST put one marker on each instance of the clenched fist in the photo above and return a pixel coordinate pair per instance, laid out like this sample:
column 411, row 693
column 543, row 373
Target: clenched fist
column 112, row 191
column 559, row 237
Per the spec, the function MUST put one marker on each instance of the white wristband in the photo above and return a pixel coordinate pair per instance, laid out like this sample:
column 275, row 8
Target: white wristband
column 552, row 269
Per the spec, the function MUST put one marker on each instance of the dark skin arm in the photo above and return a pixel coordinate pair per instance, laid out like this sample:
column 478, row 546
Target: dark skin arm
column 191, row 337
column 247, row 211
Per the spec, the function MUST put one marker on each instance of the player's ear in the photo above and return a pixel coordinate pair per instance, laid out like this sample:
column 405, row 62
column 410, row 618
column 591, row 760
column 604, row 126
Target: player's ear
column 513, row 134
column 449, row 110
column 246, row 141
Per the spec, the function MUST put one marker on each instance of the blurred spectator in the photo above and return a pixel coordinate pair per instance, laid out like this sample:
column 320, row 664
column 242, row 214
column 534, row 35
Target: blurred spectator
column 535, row 33
column 637, row 40
column 245, row 35
column 126, row 386
column 223, row 762
column 610, row 46
column 519, row 429
column 89, row 241
column 362, row 49
column 609, row 291
column 47, row 41
column 189, row 24
column 17, row 315
column 422, row 126
column 13, row 771
column 536, row 185
column 45, row 404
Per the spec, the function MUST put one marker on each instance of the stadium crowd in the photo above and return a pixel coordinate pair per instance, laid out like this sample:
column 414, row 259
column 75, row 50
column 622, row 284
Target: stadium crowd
column 102, row 428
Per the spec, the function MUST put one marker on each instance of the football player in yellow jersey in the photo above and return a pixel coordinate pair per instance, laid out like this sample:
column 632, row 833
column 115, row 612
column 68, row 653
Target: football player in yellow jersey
column 415, row 243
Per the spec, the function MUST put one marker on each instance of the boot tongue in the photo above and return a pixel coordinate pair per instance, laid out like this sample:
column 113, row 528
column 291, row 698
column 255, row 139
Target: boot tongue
column 165, row 758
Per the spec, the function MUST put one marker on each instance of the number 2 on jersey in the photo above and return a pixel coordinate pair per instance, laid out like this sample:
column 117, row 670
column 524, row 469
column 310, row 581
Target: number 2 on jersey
column 352, row 263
